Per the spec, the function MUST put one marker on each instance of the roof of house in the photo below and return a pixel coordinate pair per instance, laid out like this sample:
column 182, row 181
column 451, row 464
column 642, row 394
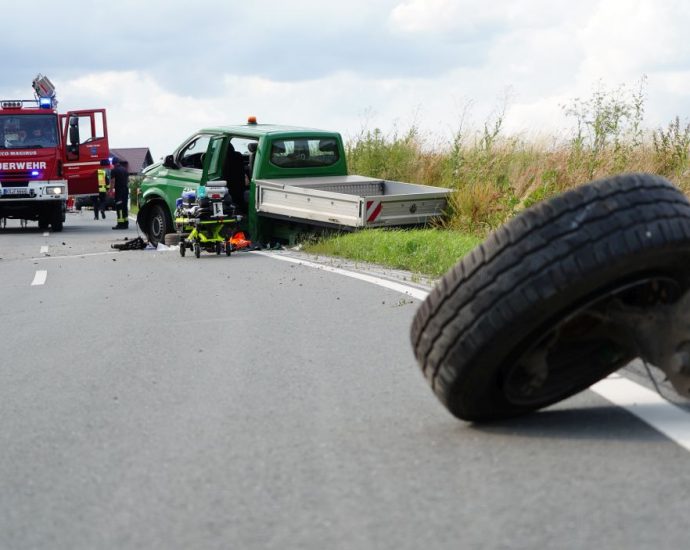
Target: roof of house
column 137, row 158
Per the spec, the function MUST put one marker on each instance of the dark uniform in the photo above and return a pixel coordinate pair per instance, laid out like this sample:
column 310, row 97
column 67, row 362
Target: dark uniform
column 120, row 178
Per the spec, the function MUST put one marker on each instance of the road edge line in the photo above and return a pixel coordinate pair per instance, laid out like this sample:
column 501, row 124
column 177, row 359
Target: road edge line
column 418, row 293
column 648, row 406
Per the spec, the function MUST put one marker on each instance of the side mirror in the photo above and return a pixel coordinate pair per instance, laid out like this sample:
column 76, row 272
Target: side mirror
column 169, row 162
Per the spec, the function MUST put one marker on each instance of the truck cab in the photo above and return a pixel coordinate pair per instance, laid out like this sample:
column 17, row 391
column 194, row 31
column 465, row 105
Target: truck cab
column 237, row 156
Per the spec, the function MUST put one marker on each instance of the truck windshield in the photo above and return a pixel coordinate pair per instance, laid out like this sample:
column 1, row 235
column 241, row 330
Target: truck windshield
column 304, row 152
column 28, row 131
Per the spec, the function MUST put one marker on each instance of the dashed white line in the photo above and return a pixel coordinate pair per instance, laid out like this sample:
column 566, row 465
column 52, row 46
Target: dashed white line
column 44, row 250
column 40, row 278
column 46, row 234
column 645, row 404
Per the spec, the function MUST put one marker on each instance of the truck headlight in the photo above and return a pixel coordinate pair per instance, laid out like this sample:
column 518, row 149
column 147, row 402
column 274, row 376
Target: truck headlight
column 55, row 190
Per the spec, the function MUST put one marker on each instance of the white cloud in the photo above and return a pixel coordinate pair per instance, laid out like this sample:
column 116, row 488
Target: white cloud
column 342, row 65
column 625, row 38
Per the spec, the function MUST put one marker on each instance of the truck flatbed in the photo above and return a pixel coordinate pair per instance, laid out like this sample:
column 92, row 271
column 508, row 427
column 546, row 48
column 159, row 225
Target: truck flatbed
column 350, row 201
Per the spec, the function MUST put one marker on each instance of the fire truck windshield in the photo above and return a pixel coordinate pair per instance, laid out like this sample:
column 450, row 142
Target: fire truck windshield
column 28, row 131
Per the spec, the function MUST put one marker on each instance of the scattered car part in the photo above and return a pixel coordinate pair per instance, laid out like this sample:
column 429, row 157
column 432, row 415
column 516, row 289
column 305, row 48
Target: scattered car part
column 564, row 294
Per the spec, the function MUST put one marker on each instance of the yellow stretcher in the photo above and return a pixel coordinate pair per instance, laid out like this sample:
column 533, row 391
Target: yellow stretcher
column 210, row 235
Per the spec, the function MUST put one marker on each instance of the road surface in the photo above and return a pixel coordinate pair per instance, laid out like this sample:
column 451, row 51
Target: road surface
column 152, row 401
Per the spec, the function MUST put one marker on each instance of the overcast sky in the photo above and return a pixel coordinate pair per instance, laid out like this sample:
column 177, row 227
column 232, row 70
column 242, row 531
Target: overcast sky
column 165, row 68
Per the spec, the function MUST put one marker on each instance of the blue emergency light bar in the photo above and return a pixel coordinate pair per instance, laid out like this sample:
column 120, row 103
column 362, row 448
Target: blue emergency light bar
column 45, row 102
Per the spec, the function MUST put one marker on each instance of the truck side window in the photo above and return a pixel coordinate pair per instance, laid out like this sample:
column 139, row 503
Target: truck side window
column 192, row 155
column 90, row 127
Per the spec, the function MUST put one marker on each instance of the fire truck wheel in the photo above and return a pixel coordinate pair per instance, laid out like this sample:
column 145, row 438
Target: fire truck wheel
column 56, row 220
column 520, row 322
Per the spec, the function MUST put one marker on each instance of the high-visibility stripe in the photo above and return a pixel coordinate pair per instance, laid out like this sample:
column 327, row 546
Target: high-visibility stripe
column 102, row 187
column 90, row 163
column 373, row 210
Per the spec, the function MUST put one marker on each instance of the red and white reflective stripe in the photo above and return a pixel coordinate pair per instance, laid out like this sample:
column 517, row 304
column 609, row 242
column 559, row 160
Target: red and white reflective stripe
column 89, row 163
column 373, row 210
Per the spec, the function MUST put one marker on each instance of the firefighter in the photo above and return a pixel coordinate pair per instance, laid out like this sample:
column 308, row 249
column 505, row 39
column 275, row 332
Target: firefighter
column 99, row 200
column 120, row 176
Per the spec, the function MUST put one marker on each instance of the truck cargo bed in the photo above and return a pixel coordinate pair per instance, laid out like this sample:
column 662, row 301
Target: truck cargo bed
column 350, row 201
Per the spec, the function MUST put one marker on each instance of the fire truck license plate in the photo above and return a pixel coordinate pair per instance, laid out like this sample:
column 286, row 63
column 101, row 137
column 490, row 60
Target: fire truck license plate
column 13, row 191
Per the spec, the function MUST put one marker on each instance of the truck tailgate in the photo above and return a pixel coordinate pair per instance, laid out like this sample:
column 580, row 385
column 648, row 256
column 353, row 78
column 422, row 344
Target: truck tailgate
column 351, row 201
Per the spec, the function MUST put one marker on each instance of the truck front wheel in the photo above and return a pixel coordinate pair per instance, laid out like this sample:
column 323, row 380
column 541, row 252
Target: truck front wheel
column 159, row 224
column 56, row 220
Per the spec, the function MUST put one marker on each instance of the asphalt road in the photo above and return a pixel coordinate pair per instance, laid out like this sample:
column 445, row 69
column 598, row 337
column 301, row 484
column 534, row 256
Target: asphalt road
column 153, row 401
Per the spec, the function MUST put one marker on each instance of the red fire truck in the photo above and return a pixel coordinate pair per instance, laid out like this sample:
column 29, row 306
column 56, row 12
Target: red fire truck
column 46, row 156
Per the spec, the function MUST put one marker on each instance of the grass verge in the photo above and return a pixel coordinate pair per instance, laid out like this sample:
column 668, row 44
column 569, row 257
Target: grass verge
column 428, row 252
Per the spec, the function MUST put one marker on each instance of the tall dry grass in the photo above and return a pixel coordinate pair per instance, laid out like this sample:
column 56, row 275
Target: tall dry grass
column 495, row 176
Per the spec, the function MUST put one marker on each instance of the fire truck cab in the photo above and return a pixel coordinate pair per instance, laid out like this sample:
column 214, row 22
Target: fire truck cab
column 44, row 156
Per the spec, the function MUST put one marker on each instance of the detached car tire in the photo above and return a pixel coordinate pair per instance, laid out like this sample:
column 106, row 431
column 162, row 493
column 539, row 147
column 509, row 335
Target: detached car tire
column 517, row 324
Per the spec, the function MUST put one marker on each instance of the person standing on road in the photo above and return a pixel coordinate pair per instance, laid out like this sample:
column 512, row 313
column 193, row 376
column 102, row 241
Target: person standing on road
column 99, row 200
column 120, row 176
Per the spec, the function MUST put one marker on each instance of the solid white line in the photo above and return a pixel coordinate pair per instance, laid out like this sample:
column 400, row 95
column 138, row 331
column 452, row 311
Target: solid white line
column 391, row 285
column 44, row 250
column 645, row 404
column 40, row 278
column 648, row 406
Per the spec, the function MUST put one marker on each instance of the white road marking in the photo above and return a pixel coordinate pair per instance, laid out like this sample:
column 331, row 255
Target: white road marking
column 645, row 404
column 44, row 250
column 648, row 406
column 391, row 285
column 46, row 234
column 40, row 278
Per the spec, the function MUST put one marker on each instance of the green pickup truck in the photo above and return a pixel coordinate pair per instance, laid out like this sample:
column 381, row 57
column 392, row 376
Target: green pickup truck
column 283, row 180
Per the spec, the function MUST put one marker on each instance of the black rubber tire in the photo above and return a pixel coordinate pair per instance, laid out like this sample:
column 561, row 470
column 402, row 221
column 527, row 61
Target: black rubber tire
column 183, row 249
column 531, row 274
column 197, row 250
column 228, row 249
column 159, row 224
column 56, row 220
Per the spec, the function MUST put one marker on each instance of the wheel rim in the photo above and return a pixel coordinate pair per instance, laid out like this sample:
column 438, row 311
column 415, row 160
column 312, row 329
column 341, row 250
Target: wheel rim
column 580, row 347
column 157, row 225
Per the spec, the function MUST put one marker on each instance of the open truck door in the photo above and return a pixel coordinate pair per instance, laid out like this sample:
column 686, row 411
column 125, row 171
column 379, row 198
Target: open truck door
column 85, row 149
